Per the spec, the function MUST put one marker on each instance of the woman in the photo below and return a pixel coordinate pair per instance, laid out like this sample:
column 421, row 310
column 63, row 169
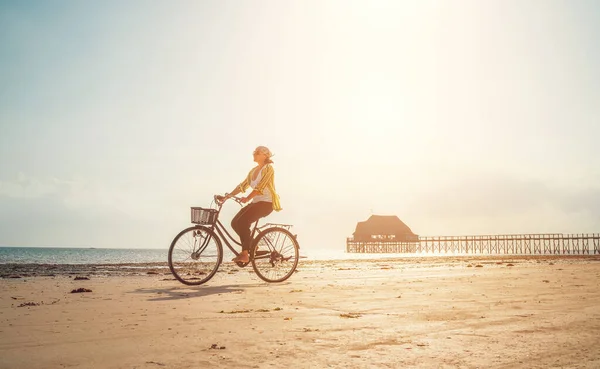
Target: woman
column 263, row 196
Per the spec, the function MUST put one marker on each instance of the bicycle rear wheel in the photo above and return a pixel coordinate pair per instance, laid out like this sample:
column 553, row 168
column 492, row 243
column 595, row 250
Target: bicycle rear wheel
column 195, row 255
column 275, row 254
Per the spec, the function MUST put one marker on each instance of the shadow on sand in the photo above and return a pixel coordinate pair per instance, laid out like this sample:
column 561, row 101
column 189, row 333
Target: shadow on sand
column 188, row 292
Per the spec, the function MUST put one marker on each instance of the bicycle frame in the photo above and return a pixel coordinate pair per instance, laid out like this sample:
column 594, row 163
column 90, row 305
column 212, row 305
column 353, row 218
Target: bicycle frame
column 222, row 232
column 225, row 236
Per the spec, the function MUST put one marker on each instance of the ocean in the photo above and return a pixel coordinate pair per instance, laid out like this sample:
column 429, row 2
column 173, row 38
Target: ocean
column 67, row 255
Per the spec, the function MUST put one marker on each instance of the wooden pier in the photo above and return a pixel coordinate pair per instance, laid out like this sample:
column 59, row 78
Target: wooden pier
column 511, row 244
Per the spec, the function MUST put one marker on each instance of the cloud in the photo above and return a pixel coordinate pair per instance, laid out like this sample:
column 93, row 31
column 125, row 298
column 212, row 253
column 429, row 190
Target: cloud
column 127, row 197
column 54, row 212
column 476, row 196
column 500, row 204
column 26, row 187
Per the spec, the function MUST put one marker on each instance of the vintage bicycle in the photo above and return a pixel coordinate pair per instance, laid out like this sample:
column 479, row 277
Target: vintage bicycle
column 197, row 251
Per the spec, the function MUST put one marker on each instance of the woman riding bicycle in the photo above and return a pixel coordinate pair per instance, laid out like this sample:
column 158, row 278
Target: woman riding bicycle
column 263, row 196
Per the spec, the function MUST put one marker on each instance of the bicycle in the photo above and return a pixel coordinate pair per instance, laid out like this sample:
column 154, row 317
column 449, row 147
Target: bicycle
column 197, row 251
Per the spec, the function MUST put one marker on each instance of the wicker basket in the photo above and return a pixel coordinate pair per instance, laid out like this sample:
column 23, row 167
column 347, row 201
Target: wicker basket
column 204, row 216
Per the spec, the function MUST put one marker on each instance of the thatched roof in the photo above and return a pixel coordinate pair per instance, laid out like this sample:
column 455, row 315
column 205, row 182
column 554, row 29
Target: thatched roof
column 383, row 225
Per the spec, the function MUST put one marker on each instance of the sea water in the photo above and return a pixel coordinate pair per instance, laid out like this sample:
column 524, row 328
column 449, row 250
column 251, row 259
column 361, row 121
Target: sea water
column 68, row 255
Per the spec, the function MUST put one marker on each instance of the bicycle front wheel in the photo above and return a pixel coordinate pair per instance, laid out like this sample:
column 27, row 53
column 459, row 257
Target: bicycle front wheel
column 195, row 255
column 275, row 254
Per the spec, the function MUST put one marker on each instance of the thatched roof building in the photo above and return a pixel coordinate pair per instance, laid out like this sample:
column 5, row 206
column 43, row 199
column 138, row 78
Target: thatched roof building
column 384, row 228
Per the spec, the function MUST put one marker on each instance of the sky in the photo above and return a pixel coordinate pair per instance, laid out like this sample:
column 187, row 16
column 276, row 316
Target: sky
column 461, row 118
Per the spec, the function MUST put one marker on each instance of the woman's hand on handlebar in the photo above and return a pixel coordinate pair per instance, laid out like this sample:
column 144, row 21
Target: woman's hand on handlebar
column 221, row 199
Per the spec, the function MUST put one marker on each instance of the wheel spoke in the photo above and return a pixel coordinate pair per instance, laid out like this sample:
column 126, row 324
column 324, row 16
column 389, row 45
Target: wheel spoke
column 195, row 255
column 275, row 255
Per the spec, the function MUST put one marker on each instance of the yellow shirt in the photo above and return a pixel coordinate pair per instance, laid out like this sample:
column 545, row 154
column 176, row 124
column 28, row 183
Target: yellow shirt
column 267, row 181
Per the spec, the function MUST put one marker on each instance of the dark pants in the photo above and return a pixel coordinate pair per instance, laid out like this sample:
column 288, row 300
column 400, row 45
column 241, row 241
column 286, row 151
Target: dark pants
column 249, row 214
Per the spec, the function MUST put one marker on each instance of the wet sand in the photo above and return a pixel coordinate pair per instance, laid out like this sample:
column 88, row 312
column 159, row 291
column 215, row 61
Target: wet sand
column 442, row 312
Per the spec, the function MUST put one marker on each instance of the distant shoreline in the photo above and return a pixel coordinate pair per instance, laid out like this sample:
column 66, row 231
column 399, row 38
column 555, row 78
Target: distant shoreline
column 28, row 270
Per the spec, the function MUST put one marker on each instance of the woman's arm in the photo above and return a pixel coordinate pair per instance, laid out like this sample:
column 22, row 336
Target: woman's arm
column 249, row 197
column 233, row 192
column 242, row 187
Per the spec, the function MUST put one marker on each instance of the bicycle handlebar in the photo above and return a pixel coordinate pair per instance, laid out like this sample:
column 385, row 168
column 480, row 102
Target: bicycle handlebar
column 221, row 199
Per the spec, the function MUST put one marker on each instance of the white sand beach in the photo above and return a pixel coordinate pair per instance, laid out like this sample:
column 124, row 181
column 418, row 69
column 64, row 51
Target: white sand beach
column 446, row 312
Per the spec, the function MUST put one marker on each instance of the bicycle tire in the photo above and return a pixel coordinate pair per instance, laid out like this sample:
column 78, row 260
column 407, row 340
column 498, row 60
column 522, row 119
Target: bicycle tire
column 275, row 265
column 196, row 268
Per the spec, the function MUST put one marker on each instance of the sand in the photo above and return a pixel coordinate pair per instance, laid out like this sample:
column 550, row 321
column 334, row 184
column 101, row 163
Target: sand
column 446, row 312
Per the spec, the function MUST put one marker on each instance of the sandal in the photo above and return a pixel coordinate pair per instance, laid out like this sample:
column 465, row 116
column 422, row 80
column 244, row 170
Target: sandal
column 237, row 259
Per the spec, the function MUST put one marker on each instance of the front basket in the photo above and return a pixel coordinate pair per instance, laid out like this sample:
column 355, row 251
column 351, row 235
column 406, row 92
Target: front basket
column 204, row 216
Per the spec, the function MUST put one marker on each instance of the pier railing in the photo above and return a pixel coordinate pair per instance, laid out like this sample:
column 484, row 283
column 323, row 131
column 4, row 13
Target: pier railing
column 513, row 244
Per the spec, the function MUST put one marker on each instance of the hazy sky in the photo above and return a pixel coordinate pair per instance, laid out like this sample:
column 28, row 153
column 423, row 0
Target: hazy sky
column 460, row 117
